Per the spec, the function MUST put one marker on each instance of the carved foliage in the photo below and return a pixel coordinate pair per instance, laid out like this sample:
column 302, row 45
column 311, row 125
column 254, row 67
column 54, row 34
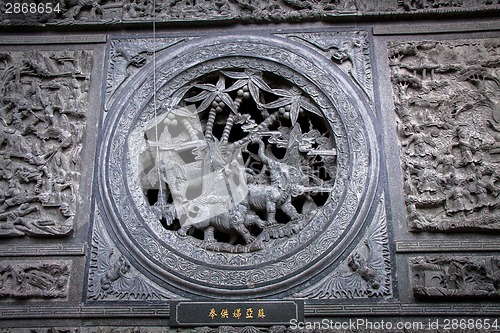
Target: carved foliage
column 244, row 112
column 447, row 101
column 365, row 273
column 239, row 61
column 34, row 279
column 43, row 102
column 444, row 276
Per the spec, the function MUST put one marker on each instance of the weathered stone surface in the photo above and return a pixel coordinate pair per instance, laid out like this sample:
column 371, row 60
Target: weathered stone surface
column 43, row 103
column 228, row 126
column 128, row 11
column 446, row 96
column 28, row 279
column 366, row 272
column 447, row 276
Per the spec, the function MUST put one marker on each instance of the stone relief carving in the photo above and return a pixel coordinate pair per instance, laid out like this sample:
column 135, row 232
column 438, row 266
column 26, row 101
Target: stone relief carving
column 419, row 5
column 43, row 102
column 365, row 273
column 284, row 172
column 23, row 279
column 112, row 277
column 126, row 57
column 236, row 127
column 444, row 276
column 348, row 49
column 446, row 98
column 87, row 12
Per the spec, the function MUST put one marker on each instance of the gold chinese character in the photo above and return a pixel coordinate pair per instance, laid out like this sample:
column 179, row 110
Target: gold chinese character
column 260, row 313
column 237, row 313
column 224, row 313
column 249, row 313
column 212, row 313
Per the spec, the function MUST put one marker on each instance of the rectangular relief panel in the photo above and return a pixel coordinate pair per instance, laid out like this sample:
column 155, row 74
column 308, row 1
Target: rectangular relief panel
column 43, row 106
column 32, row 279
column 447, row 101
column 54, row 13
column 455, row 276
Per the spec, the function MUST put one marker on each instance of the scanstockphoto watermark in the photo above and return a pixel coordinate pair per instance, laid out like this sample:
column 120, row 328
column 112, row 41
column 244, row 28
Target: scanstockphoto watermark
column 356, row 324
column 362, row 324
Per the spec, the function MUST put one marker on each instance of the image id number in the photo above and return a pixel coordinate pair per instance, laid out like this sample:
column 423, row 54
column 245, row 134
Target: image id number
column 31, row 8
column 472, row 324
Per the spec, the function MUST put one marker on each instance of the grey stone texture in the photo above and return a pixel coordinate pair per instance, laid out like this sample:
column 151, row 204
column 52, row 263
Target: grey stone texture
column 354, row 144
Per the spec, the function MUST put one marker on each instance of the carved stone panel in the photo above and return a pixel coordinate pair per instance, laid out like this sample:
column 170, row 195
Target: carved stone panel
column 447, row 101
column 444, row 276
column 365, row 273
column 41, row 278
column 132, row 11
column 43, row 103
column 237, row 166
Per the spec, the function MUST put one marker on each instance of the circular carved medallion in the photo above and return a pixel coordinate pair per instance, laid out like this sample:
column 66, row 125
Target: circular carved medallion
column 245, row 170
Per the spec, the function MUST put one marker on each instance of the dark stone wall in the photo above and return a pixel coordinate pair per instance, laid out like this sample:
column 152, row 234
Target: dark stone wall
column 371, row 131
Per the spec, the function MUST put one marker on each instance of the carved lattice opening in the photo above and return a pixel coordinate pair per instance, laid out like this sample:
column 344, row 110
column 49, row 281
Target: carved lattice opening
column 258, row 134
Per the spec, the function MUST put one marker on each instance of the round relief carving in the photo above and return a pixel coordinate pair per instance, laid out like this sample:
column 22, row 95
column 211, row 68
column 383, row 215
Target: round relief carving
column 245, row 170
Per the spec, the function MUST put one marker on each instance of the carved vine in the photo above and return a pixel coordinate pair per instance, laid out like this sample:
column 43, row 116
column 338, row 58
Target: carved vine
column 445, row 276
column 40, row 279
column 446, row 96
column 43, row 103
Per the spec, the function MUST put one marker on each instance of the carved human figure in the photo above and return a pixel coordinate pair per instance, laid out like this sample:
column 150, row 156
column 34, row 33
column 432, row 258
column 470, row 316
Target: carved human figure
column 453, row 280
column 479, row 188
column 458, row 199
column 466, row 148
column 427, row 180
column 421, row 142
column 277, row 194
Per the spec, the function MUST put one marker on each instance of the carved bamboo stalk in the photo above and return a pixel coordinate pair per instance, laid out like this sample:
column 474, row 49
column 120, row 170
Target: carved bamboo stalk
column 210, row 123
column 230, row 120
column 190, row 129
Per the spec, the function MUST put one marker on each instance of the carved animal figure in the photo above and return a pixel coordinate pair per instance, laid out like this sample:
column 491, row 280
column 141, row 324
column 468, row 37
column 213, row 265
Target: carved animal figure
column 274, row 196
column 233, row 222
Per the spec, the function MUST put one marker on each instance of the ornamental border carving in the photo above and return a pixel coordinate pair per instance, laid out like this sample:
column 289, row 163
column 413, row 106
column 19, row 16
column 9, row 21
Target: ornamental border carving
column 356, row 179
